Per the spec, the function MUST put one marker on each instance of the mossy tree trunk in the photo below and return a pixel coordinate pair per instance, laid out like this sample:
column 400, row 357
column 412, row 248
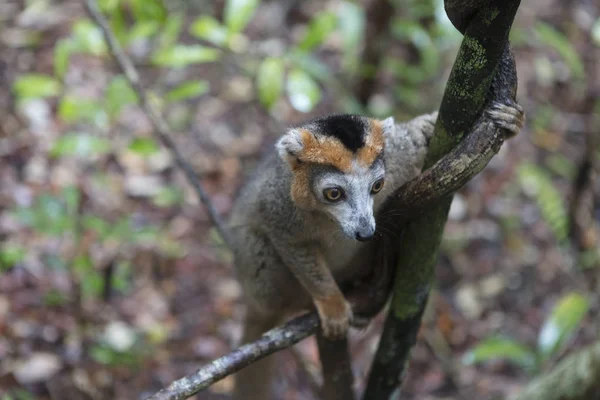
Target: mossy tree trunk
column 485, row 25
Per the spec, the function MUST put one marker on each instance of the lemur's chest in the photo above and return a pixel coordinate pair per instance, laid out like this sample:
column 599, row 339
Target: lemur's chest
column 339, row 251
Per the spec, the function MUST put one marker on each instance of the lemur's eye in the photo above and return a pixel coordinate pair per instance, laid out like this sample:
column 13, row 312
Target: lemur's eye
column 377, row 186
column 333, row 194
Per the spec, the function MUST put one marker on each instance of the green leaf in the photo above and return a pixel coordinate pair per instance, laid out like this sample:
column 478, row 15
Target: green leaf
column 302, row 90
column 98, row 225
column 238, row 13
column 119, row 24
column 108, row 6
column 62, row 53
column 143, row 146
column 146, row 235
column 122, row 230
column 35, row 86
column 562, row 323
column 428, row 67
column 168, row 197
column 143, row 30
column 187, row 91
column 51, row 215
column 73, row 109
column 11, row 254
column 82, row 145
column 149, row 10
column 182, row 55
column 55, row 298
column 171, row 30
column 92, row 284
column 501, row 349
column 318, row 29
column 559, row 42
column 87, row 38
column 269, row 81
column 72, row 197
column 351, row 21
column 311, row 65
column 118, row 94
column 596, row 32
column 561, row 165
column 209, row 29
column 536, row 182
column 121, row 279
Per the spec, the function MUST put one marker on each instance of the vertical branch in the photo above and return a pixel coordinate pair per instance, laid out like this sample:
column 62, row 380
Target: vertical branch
column 486, row 34
column 337, row 369
column 379, row 15
column 161, row 130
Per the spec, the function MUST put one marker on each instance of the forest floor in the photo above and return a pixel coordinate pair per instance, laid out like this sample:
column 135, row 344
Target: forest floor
column 119, row 311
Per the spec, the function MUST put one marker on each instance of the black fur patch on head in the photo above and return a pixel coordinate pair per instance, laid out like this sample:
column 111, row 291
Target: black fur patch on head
column 348, row 129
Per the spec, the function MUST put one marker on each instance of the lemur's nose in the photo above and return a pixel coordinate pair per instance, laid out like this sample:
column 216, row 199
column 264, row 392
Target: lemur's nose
column 363, row 237
column 366, row 229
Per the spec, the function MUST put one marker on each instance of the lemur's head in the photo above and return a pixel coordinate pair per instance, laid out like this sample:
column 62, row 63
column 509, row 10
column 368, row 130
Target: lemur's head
column 337, row 167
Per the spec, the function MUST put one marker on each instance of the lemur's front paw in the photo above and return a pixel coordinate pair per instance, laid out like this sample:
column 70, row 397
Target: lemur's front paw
column 335, row 313
column 508, row 116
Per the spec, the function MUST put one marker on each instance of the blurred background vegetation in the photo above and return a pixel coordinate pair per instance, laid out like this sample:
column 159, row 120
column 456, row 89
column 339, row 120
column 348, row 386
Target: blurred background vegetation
column 112, row 280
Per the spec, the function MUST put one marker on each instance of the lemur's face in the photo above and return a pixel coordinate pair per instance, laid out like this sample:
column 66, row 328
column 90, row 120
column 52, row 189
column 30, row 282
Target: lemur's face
column 337, row 166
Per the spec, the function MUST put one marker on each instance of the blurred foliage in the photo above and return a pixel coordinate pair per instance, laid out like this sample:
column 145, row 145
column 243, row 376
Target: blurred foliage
column 59, row 216
column 554, row 336
column 19, row 394
column 537, row 183
column 560, row 43
column 316, row 61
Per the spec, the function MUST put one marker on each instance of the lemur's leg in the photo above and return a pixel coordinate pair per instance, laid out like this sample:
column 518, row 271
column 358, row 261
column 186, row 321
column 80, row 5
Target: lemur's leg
column 254, row 381
column 508, row 116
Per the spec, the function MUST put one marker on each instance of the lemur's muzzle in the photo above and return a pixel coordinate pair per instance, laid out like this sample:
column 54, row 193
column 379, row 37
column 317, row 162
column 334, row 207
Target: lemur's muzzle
column 365, row 230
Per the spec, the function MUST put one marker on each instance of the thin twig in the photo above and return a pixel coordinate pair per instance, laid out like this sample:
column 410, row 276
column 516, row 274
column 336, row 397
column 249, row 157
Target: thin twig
column 272, row 341
column 161, row 130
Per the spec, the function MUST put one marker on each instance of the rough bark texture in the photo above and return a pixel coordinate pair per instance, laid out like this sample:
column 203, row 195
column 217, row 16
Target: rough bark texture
column 486, row 37
column 577, row 377
column 468, row 158
column 271, row 342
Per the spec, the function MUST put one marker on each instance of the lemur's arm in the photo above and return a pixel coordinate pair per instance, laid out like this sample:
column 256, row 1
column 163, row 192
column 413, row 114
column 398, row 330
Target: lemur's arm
column 310, row 268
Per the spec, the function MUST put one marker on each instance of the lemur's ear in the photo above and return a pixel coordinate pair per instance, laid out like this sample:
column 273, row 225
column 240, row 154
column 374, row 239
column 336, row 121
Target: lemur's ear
column 289, row 146
column 388, row 126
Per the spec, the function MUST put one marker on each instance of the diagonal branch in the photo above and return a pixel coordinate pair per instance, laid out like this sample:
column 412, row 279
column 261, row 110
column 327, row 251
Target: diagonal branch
column 274, row 340
column 161, row 129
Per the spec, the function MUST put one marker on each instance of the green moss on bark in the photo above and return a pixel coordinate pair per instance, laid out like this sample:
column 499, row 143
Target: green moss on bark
column 484, row 41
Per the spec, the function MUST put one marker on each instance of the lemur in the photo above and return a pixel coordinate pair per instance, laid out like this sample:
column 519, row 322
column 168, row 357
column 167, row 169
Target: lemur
column 302, row 225
column 299, row 222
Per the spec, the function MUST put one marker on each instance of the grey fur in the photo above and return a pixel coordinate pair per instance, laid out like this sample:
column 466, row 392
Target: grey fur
column 287, row 257
column 267, row 227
